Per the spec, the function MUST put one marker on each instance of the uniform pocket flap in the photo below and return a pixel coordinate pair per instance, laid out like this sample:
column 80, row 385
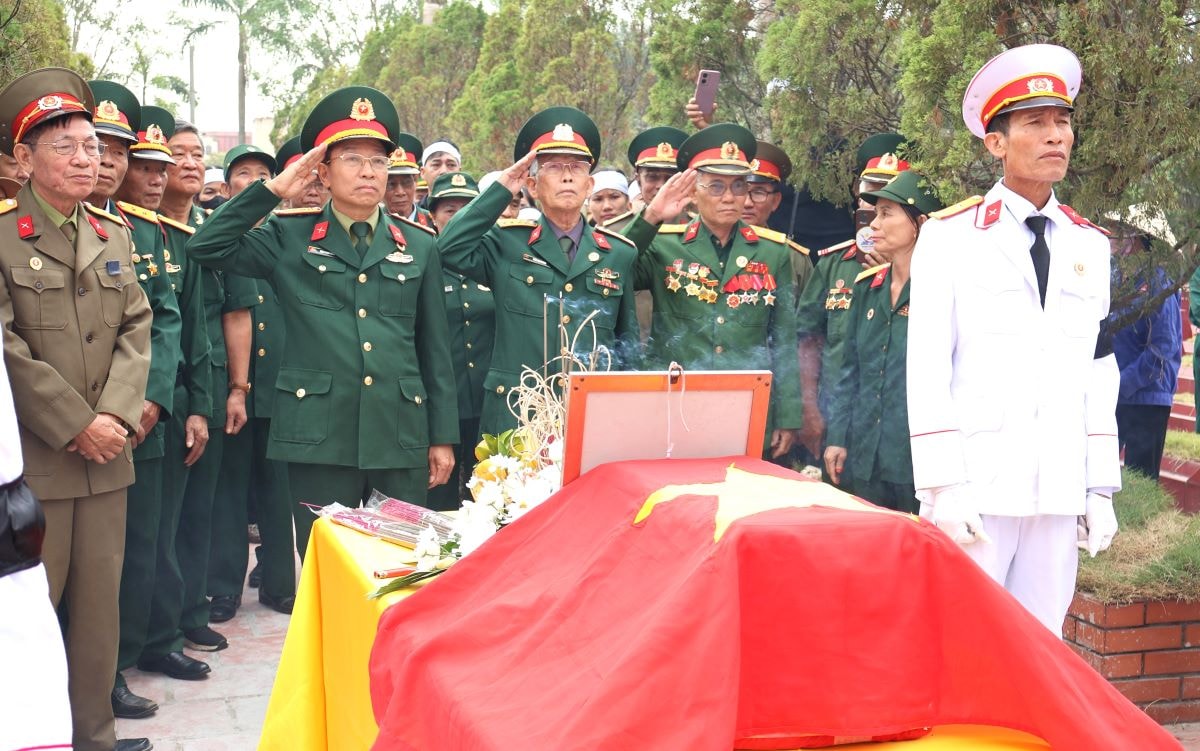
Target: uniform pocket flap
column 413, row 390
column 499, row 380
column 531, row 273
column 303, row 382
column 38, row 280
column 979, row 416
column 324, row 264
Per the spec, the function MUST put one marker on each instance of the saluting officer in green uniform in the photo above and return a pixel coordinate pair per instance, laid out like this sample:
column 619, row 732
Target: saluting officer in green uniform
column 550, row 276
column 183, row 613
column 823, row 307
column 365, row 393
column 869, row 453
column 400, row 198
column 652, row 154
column 246, row 472
column 722, row 289
column 471, row 314
column 117, row 120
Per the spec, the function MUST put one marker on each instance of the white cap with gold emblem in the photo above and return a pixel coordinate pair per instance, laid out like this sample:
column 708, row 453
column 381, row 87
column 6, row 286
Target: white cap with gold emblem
column 1035, row 75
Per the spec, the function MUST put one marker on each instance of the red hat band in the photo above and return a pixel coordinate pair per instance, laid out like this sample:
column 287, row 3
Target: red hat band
column 562, row 137
column 727, row 153
column 108, row 113
column 763, row 168
column 1025, row 87
column 36, row 111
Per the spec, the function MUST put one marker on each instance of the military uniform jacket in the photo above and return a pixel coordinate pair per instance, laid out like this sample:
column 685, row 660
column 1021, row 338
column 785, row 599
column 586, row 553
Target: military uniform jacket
column 366, row 379
column 471, row 315
column 535, row 288
column 149, row 265
column 267, row 354
column 824, row 310
column 195, row 368
column 1004, row 395
column 740, row 317
column 223, row 293
column 76, row 341
column 869, row 415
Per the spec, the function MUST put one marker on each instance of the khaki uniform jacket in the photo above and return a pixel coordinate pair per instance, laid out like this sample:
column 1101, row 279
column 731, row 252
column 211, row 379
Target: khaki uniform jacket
column 76, row 341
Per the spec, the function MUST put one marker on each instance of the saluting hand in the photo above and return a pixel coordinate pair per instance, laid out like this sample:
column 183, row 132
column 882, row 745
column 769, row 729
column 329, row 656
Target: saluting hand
column 514, row 177
column 292, row 181
column 441, row 461
column 673, row 198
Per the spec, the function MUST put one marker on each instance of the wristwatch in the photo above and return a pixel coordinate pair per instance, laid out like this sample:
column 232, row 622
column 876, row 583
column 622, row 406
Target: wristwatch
column 240, row 386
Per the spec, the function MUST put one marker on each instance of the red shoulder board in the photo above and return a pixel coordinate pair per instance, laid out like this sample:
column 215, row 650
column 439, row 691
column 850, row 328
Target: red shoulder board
column 535, row 235
column 748, row 233
column 1075, row 217
column 879, row 277
column 601, row 241
column 320, row 229
column 96, row 226
column 987, row 216
column 397, row 235
column 693, row 229
column 25, row 226
column 850, row 252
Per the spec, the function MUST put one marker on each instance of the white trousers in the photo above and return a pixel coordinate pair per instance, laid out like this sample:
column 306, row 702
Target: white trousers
column 34, row 709
column 1035, row 558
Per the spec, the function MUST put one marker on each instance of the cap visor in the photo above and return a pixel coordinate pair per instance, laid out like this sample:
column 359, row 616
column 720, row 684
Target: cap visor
column 152, row 155
column 725, row 169
column 108, row 130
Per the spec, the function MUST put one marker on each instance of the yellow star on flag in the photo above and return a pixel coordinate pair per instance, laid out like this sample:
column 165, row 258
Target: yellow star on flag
column 743, row 494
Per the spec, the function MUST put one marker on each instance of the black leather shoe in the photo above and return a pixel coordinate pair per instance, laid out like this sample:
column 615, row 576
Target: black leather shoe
column 204, row 639
column 278, row 604
column 224, row 608
column 176, row 665
column 134, row 744
column 129, row 706
column 254, row 581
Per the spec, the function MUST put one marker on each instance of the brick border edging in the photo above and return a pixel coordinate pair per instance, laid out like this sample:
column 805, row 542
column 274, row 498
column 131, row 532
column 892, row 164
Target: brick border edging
column 1149, row 651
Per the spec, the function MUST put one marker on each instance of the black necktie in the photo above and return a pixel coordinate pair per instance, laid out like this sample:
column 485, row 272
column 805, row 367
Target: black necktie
column 360, row 230
column 1040, row 252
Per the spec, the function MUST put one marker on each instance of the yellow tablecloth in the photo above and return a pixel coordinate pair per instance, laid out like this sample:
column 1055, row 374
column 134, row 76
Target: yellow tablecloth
column 321, row 700
column 322, row 694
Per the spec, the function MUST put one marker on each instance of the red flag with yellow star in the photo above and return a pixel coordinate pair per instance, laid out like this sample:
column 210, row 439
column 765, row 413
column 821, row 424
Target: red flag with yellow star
column 720, row 604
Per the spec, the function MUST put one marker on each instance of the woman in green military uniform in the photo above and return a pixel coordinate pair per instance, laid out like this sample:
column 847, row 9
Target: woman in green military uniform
column 868, row 445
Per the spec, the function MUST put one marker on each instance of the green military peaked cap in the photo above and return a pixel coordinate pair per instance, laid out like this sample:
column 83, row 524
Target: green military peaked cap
column 117, row 112
column 907, row 189
column 770, row 164
column 876, row 146
column 249, row 151
column 723, row 149
column 38, row 97
column 351, row 112
column 656, row 147
column 559, row 130
column 406, row 159
column 288, row 153
column 452, row 185
column 156, row 128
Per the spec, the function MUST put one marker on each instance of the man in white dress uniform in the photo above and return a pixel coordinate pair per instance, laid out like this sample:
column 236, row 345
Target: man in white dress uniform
column 1012, row 385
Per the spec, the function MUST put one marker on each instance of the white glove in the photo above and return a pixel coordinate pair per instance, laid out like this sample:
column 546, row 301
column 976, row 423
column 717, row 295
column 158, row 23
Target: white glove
column 1098, row 525
column 954, row 513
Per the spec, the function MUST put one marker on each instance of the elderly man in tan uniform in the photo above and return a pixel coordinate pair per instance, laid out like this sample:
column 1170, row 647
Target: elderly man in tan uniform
column 77, row 347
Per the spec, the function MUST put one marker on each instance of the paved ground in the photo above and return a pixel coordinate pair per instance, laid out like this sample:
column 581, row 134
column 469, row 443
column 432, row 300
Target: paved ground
column 226, row 711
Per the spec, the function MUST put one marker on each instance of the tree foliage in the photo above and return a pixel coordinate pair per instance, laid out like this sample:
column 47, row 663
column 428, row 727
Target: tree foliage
column 34, row 34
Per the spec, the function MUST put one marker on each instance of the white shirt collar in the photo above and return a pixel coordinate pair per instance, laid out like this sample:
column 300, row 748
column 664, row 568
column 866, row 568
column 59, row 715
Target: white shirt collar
column 1021, row 208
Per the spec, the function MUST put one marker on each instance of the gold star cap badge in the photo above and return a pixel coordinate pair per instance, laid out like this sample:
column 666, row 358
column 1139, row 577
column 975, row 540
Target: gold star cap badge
column 362, row 110
column 458, row 181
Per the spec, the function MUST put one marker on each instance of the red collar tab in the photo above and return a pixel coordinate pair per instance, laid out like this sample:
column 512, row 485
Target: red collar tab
column 749, row 234
column 879, row 277
column 97, row 226
column 397, row 235
column 25, row 227
column 850, row 252
column 535, row 235
column 601, row 241
column 422, row 220
column 987, row 216
column 693, row 229
column 320, row 229
column 1076, row 218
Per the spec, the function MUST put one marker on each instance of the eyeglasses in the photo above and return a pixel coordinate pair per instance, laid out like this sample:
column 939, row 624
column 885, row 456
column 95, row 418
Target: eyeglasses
column 556, row 169
column 716, row 190
column 67, row 147
column 760, row 195
column 356, row 161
